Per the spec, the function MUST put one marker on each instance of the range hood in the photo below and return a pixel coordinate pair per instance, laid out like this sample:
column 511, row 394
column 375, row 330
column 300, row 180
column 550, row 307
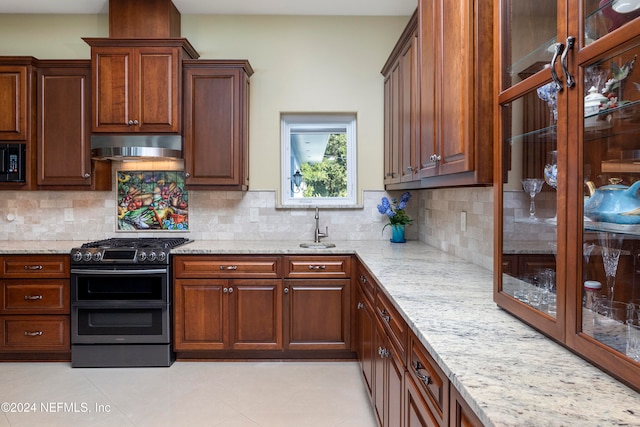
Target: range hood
column 136, row 147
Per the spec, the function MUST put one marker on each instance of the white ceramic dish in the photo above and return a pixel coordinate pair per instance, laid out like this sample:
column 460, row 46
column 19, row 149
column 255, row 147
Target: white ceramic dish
column 625, row 6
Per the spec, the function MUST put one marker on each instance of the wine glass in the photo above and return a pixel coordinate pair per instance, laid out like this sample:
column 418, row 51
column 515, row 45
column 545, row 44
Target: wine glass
column 551, row 174
column 611, row 246
column 549, row 94
column 533, row 187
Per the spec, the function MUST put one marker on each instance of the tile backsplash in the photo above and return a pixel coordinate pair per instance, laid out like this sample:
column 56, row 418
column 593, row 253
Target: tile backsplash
column 253, row 215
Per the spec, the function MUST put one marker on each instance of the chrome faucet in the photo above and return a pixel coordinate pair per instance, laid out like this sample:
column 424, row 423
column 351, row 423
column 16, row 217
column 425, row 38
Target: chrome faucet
column 318, row 235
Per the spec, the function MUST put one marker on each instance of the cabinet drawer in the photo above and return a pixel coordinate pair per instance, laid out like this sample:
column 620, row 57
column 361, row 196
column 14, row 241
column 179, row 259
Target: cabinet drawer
column 394, row 325
column 44, row 333
column 35, row 296
column 318, row 266
column 200, row 267
column 428, row 377
column 366, row 283
column 26, row 266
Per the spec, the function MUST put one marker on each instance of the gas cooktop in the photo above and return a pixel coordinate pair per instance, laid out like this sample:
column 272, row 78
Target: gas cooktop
column 152, row 242
column 126, row 250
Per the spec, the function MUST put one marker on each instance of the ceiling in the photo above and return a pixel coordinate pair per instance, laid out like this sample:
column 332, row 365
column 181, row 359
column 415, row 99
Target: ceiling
column 228, row 7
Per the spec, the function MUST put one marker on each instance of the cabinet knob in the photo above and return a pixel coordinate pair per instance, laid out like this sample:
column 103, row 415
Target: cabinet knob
column 286, row 290
column 135, row 122
column 130, row 122
column 230, row 290
column 87, row 175
column 225, row 290
column 187, row 174
column 360, row 306
column 363, row 279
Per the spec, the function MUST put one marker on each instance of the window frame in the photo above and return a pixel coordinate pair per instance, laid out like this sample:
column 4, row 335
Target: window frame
column 311, row 122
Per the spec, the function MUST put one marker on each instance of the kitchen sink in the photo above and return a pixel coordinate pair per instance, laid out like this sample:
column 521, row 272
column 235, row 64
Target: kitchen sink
column 319, row 245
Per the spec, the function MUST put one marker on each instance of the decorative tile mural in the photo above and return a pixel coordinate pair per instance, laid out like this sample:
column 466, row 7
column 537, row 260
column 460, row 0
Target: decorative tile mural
column 152, row 201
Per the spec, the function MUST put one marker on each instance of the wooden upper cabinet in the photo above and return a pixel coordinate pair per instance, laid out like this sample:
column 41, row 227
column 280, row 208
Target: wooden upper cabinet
column 439, row 113
column 14, row 102
column 63, row 127
column 136, row 84
column 401, row 107
column 456, row 92
column 216, row 114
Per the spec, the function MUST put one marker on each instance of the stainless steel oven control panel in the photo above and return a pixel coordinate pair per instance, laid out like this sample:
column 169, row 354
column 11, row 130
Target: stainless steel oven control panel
column 119, row 255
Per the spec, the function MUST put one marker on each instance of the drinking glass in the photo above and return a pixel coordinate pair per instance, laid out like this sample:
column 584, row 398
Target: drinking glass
column 611, row 246
column 633, row 339
column 533, row 187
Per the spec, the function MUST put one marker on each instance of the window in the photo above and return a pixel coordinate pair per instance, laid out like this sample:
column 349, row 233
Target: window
column 318, row 159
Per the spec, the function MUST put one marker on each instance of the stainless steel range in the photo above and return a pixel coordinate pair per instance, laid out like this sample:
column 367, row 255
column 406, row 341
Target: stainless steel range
column 121, row 302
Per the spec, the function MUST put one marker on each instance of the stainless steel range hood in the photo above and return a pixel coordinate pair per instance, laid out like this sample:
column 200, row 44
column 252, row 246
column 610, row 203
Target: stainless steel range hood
column 136, row 147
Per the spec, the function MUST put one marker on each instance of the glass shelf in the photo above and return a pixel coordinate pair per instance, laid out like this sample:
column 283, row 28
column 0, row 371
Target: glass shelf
column 544, row 53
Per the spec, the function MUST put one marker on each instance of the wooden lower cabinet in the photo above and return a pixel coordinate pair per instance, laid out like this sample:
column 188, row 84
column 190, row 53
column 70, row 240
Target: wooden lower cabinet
column 34, row 307
column 416, row 411
column 317, row 314
column 406, row 386
column 365, row 337
column 460, row 414
column 388, row 381
column 242, row 307
column 228, row 314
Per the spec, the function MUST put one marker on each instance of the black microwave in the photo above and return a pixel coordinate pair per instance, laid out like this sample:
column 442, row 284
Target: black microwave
column 12, row 162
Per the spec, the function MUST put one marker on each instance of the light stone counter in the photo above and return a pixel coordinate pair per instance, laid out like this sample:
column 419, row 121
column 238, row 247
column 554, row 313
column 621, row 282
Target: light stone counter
column 509, row 374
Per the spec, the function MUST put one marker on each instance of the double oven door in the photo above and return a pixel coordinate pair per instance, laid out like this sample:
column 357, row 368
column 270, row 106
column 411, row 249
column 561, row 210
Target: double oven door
column 122, row 304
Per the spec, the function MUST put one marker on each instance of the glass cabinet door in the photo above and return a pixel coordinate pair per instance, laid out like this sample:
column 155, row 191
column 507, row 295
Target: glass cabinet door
column 602, row 17
column 529, row 200
column 527, row 282
column 611, row 221
column 529, row 31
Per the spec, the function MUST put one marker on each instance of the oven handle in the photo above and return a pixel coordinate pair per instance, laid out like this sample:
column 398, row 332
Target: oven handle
column 118, row 272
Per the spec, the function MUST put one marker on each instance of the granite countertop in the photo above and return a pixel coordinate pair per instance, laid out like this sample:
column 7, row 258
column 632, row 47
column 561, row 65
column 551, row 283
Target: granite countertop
column 510, row 374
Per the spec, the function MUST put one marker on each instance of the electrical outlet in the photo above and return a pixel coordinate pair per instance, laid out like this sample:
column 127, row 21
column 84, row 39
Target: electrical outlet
column 463, row 221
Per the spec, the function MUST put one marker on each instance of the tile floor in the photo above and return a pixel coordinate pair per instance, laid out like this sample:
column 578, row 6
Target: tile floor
column 194, row 394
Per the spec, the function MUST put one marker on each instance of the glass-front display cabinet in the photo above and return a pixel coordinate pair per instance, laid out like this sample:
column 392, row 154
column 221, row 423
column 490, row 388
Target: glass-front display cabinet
column 567, row 175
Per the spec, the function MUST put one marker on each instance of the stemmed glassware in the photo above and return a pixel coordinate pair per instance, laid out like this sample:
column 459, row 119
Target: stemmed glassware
column 551, row 172
column 549, row 94
column 611, row 246
column 533, row 187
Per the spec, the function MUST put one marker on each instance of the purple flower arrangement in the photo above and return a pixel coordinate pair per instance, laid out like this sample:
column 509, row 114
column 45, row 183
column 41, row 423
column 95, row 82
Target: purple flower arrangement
column 395, row 210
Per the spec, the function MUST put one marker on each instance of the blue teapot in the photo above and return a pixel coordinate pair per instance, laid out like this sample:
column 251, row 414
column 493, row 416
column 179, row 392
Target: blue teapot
column 613, row 203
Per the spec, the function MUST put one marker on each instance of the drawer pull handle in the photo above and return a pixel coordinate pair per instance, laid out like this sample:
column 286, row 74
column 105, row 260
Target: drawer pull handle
column 317, row 267
column 228, row 267
column 32, row 334
column 32, row 297
column 426, row 379
column 33, row 267
column 360, row 306
column 385, row 316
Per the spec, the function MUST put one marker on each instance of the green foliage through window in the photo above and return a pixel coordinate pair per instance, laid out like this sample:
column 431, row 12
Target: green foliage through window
column 328, row 178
